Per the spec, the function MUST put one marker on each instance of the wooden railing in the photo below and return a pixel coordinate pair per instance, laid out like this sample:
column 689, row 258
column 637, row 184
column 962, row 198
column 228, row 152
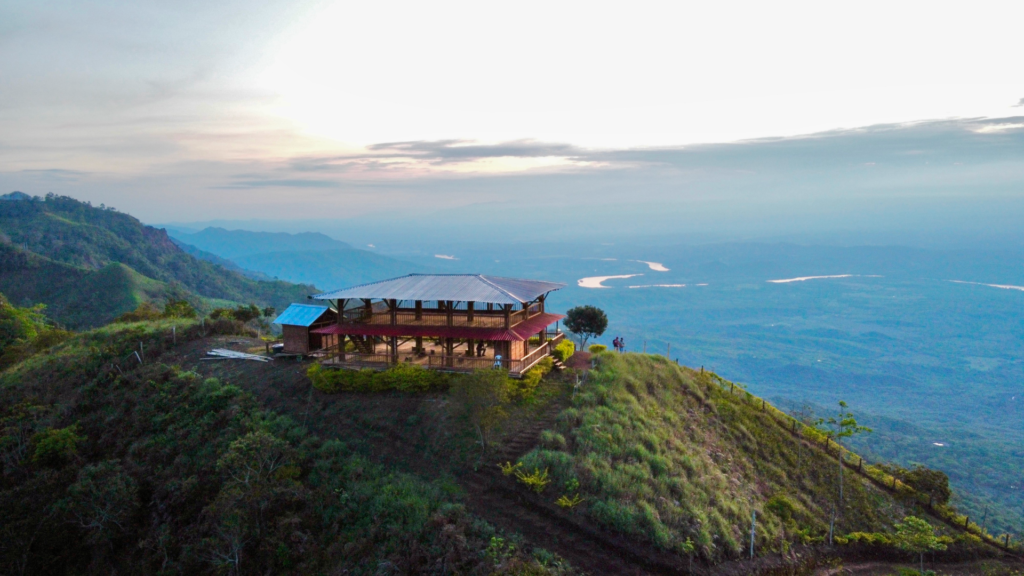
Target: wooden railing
column 481, row 319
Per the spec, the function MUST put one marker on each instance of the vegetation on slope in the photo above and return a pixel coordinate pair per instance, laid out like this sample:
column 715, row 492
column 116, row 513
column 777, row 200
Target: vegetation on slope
column 666, row 454
column 91, row 264
column 109, row 468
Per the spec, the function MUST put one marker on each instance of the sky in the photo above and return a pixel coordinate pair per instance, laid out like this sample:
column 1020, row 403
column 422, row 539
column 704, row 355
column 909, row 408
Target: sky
column 305, row 110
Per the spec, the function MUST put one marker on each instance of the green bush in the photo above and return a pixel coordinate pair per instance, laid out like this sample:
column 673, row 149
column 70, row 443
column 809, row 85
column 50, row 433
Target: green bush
column 564, row 350
column 524, row 388
column 55, row 447
column 597, row 348
column 401, row 378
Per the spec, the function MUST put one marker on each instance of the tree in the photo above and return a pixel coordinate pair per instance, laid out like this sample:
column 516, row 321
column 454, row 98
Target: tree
column 586, row 322
column 102, row 500
column 179, row 309
column 484, row 395
column 843, row 426
column 916, row 535
column 934, row 483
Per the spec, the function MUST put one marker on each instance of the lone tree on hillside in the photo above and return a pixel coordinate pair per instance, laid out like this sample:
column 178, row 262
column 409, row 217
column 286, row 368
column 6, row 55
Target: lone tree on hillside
column 586, row 322
column 916, row 535
column 843, row 426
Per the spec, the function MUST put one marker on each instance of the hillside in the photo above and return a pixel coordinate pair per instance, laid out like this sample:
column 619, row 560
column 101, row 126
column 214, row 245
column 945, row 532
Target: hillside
column 112, row 466
column 89, row 264
column 231, row 244
column 307, row 258
column 169, row 463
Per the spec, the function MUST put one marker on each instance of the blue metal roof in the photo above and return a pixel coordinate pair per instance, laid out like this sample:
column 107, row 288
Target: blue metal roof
column 301, row 314
column 457, row 287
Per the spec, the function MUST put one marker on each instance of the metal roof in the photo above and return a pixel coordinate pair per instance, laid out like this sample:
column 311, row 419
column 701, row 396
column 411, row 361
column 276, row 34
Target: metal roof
column 456, row 287
column 301, row 314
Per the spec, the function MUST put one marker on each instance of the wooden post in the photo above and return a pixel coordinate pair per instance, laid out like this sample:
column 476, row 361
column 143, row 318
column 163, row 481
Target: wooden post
column 541, row 301
column 469, row 312
column 419, row 310
column 419, row 344
column 507, row 308
column 394, row 349
column 470, row 351
column 490, row 307
column 393, row 305
column 753, row 531
column 449, row 311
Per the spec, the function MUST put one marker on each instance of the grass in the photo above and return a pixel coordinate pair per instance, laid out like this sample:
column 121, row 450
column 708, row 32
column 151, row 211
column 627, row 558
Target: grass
column 666, row 454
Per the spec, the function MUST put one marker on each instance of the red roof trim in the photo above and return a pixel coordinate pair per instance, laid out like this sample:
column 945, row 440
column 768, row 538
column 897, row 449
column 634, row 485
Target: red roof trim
column 518, row 333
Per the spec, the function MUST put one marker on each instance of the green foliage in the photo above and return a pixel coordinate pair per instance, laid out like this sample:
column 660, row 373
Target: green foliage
column 483, row 396
column 56, row 447
column 537, row 481
column 241, row 313
column 667, row 454
column 524, row 387
column 89, row 265
column 586, row 322
column 597, row 348
column 24, row 332
column 934, row 483
column 102, row 500
column 400, row 378
column 167, row 472
column 565, row 501
column 180, row 309
column 916, row 535
column 508, row 468
column 146, row 312
column 564, row 350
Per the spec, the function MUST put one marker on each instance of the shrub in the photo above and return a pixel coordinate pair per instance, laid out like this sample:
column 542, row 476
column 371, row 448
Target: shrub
column 566, row 502
column 597, row 348
column 536, row 480
column 564, row 350
column 524, row 388
column 401, row 378
column 54, row 447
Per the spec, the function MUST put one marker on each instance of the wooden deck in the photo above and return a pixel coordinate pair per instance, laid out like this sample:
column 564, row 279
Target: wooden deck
column 433, row 357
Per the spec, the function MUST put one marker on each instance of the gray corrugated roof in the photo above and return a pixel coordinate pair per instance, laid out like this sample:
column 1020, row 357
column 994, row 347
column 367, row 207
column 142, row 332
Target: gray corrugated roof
column 458, row 287
column 300, row 314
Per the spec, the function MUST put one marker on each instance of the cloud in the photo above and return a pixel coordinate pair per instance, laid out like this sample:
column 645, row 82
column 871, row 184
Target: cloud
column 1019, row 104
column 280, row 183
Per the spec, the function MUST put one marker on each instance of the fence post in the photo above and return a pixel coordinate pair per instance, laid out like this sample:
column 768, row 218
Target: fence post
column 753, row 531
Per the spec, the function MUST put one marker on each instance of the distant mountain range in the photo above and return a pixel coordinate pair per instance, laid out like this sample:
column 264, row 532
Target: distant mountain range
column 310, row 258
column 90, row 264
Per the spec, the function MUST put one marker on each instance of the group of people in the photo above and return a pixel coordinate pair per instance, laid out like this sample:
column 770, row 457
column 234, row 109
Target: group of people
column 620, row 344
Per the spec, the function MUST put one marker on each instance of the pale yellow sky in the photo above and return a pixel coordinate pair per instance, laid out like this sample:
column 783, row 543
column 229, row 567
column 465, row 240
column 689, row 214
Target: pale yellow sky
column 144, row 102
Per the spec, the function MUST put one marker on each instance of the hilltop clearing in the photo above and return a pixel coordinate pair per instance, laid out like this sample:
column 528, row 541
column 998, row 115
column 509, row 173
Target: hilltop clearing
column 89, row 265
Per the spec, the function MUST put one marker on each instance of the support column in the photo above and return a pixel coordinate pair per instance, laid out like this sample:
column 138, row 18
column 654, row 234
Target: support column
column 470, row 351
column 419, row 344
column 419, row 310
column 394, row 349
column 469, row 311
column 340, row 304
column 393, row 305
column 449, row 312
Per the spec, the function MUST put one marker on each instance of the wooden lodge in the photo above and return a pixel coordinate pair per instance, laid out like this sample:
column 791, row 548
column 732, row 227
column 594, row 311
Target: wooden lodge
column 456, row 322
column 298, row 323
